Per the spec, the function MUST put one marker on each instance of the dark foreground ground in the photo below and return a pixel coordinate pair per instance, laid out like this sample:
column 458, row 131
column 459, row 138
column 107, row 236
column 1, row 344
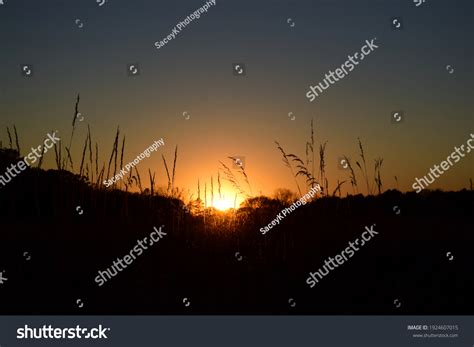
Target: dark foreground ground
column 196, row 263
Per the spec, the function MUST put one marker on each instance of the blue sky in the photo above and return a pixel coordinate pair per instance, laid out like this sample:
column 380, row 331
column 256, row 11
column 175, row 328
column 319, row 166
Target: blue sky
column 244, row 115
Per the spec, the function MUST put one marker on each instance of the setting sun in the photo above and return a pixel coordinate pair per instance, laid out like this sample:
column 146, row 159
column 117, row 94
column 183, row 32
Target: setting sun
column 226, row 201
column 223, row 204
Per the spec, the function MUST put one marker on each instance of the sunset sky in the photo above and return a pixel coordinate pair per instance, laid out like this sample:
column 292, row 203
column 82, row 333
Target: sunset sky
column 243, row 115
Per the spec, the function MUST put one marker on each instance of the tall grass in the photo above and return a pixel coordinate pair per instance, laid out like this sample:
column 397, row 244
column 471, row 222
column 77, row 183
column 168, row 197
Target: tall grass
column 288, row 165
column 57, row 154
column 338, row 188
column 302, row 168
column 230, row 177
column 97, row 162
column 174, row 167
column 91, row 179
column 113, row 153
column 84, row 154
column 17, row 141
column 377, row 177
column 74, row 119
column 167, row 174
column 241, row 169
column 9, row 137
column 139, row 180
column 212, row 191
column 322, row 163
column 364, row 173
column 363, row 169
column 352, row 174
column 199, row 190
column 303, row 171
column 40, row 162
column 152, row 182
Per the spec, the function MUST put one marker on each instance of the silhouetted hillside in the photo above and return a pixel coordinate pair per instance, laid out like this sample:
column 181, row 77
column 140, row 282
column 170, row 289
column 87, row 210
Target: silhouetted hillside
column 198, row 259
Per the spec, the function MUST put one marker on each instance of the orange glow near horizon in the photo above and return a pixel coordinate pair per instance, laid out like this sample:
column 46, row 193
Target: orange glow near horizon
column 226, row 202
column 223, row 204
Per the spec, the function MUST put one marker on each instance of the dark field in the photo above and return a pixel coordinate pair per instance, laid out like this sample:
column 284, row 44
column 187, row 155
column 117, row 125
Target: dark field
column 407, row 261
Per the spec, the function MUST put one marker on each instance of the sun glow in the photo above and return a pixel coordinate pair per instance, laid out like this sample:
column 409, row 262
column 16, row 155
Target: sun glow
column 223, row 204
column 226, row 201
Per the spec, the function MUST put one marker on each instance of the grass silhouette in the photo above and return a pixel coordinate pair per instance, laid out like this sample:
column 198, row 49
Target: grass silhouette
column 40, row 213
